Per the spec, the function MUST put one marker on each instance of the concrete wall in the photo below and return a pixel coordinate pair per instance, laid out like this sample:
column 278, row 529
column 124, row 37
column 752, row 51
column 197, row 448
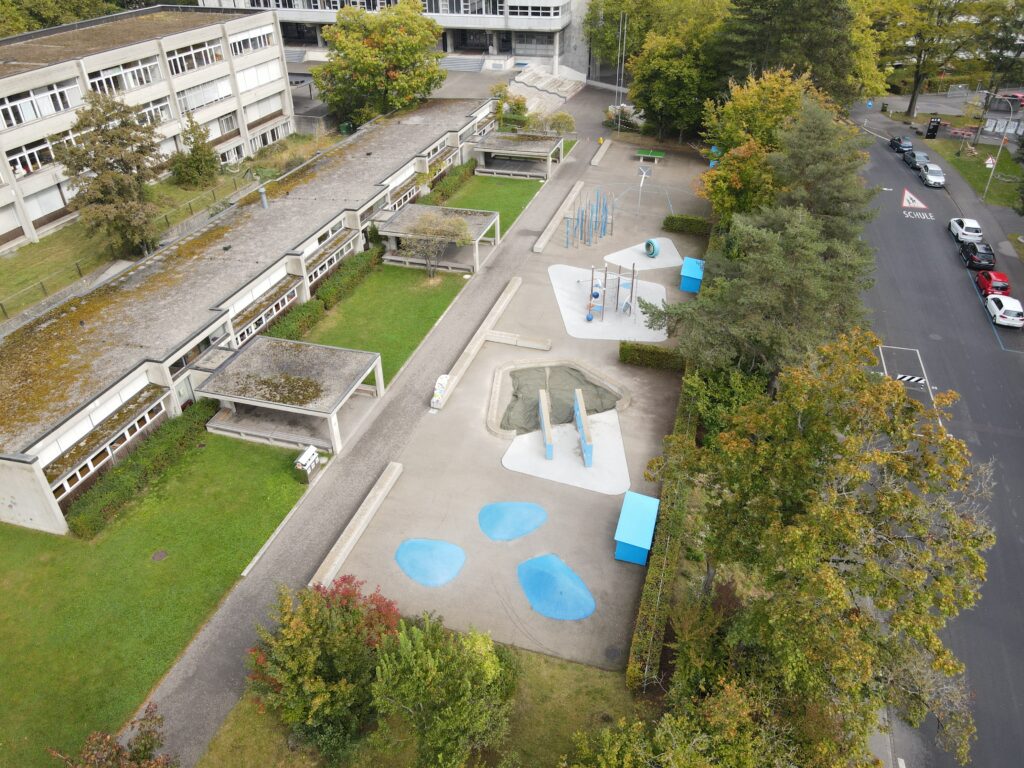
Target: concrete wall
column 25, row 497
column 574, row 49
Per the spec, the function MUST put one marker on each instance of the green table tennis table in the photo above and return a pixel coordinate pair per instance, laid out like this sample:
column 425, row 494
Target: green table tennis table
column 650, row 154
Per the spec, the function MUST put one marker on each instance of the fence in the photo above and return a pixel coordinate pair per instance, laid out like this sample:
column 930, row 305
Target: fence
column 37, row 290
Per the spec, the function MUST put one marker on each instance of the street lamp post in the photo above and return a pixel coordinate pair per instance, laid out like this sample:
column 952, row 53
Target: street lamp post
column 1002, row 141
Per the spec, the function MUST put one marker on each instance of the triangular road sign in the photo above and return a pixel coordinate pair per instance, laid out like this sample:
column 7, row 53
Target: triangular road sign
column 910, row 201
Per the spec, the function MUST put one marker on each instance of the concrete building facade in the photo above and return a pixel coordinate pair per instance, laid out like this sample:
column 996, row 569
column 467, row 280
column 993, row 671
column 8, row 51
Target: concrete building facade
column 226, row 69
column 499, row 33
column 85, row 382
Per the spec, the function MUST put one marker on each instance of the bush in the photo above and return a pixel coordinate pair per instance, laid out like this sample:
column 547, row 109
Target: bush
column 451, row 182
column 315, row 670
column 562, row 123
column 200, row 164
column 688, row 225
column 93, row 510
column 297, row 322
column 650, row 356
column 352, row 271
column 105, row 750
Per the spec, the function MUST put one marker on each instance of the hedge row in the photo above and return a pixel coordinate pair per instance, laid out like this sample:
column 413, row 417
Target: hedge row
column 298, row 321
column 690, row 225
column 457, row 176
column 106, row 499
column 650, row 356
column 644, row 663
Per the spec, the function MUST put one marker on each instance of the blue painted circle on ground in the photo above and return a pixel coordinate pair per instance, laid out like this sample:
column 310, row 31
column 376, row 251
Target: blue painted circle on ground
column 554, row 590
column 430, row 562
column 507, row 520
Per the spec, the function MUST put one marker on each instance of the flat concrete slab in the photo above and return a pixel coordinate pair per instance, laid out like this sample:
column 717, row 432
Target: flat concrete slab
column 636, row 256
column 571, row 286
column 609, row 474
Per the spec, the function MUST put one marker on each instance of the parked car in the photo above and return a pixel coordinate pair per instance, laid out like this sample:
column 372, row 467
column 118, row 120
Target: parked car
column 993, row 283
column 932, row 175
column 915, row 158
column 1005, row 310
column 901, row 144
column 977, row 255
column 965, row 230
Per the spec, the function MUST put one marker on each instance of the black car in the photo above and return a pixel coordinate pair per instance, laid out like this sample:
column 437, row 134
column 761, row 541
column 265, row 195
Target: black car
column 977, row 255
column 901, row 144
column 915, row 159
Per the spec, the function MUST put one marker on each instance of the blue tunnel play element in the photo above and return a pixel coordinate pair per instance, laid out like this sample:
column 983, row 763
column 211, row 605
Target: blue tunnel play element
column 554, row 590
column 430, row 562
column 652, row 248
column 508, row 520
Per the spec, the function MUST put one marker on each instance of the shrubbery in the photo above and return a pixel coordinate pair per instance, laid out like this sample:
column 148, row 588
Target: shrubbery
column 93, row 510
column 650, row 356
column 457, row 176
column 297, row 322
column 688, row 225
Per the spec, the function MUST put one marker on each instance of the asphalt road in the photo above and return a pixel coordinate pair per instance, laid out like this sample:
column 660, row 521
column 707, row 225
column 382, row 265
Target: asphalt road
column 924, row 302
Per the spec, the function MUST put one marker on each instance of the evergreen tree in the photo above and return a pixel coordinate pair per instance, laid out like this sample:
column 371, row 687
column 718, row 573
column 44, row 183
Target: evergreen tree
column 199, row 164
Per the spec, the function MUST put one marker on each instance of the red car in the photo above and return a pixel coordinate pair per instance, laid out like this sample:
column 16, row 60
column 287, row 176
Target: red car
column 993, row 283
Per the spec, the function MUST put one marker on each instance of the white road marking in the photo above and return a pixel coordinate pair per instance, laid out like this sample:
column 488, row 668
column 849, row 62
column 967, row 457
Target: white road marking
column 881, row 357
column 900, row 763
column 910, row 200
column 927, row 383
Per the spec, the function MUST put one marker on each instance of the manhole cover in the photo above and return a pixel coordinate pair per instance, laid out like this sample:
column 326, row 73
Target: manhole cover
column 613, row 653
column 159, row 555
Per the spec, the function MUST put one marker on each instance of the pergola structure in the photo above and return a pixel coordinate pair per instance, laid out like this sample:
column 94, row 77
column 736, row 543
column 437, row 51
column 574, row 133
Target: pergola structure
column 289, row 392
column 514, row 154
column 406, row 222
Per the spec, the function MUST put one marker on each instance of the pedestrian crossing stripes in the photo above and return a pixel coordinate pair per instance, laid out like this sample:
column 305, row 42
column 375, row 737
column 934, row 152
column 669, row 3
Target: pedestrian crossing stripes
column 909, row 379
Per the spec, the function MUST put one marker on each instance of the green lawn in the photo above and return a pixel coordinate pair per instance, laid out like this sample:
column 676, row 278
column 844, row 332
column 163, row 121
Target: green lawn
column 87, row 628
column 974, row 171
column 554, row 700
column 390, row 312
column 568, row 145
column 490, row 193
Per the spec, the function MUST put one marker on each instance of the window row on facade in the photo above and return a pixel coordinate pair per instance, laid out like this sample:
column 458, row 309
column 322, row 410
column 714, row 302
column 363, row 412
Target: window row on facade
column 40, row 102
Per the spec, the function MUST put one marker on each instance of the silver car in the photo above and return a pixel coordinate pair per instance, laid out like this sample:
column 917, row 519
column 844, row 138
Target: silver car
column 932, row 175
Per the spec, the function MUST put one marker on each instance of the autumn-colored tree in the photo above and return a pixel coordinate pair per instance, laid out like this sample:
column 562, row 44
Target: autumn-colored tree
column 104, row 750
column 109, row 164
column 432, row 234
column 757, row 109
column 742, row 181
column 379, row 61
column 454, row 690
column 315, row 669
column 851, row 525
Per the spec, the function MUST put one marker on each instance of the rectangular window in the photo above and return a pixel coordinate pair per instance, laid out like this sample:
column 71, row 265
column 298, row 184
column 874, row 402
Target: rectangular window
column 228, row 123
column 125, row 77
column 155, row 112
column 251, row 40
column 198, row 96
column 261, row 74
column 263, row 108
column 40, row 102
column 182, row 60
column 33, row 156
column 232, row 155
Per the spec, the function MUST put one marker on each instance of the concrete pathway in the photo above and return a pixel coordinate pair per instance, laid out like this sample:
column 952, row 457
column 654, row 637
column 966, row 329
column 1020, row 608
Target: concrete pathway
column 208, row 679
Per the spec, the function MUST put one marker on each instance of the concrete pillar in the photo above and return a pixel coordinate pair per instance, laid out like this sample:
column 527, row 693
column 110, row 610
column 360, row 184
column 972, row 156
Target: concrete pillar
column 449, row 36
column 378, row 377
column 561, row 150
column 27, row 498
column 497, row 231
column 332, row 425
column 548, row 163
column 392, row 243
column 320, row 37
column 554, row 61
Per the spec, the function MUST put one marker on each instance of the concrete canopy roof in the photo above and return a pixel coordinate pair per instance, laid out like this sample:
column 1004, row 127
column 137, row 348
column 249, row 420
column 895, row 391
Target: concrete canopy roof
column 290, row 375
column 25, row 53
column 404, row 221
column 518, row 144
column 59, row 362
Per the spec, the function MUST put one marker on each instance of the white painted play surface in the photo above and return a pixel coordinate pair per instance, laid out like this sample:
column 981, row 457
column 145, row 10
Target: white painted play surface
column 571, row 286
column 668, row 256
column 609, row 474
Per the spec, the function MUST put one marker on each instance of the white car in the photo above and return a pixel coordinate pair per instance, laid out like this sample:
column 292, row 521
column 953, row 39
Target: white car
column 1005, row 310
column 966, row 230
column 932, row 175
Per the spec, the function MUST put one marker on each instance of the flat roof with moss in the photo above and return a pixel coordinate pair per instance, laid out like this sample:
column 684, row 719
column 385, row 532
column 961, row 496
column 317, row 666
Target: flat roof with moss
column 64, row 359
column 294, row 374
column 405, row 221
column 519, row 144
column 23, row 53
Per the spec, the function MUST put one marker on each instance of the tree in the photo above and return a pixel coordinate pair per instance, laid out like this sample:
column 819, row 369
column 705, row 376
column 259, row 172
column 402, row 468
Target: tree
column 857, row 523
column 1000, row 44
column 757, row 109
column 431, row 235
column 103, row 750
column 316, row 668
column 602, row 29
column 379, row 62
column 562, row 123
column 818, row 167
column 773, row 297
column 667, row 84
column 109, row 163
column 18, row 16
column 742, row 182
column 199, row 165
column 453, row 690
column 937, row 32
